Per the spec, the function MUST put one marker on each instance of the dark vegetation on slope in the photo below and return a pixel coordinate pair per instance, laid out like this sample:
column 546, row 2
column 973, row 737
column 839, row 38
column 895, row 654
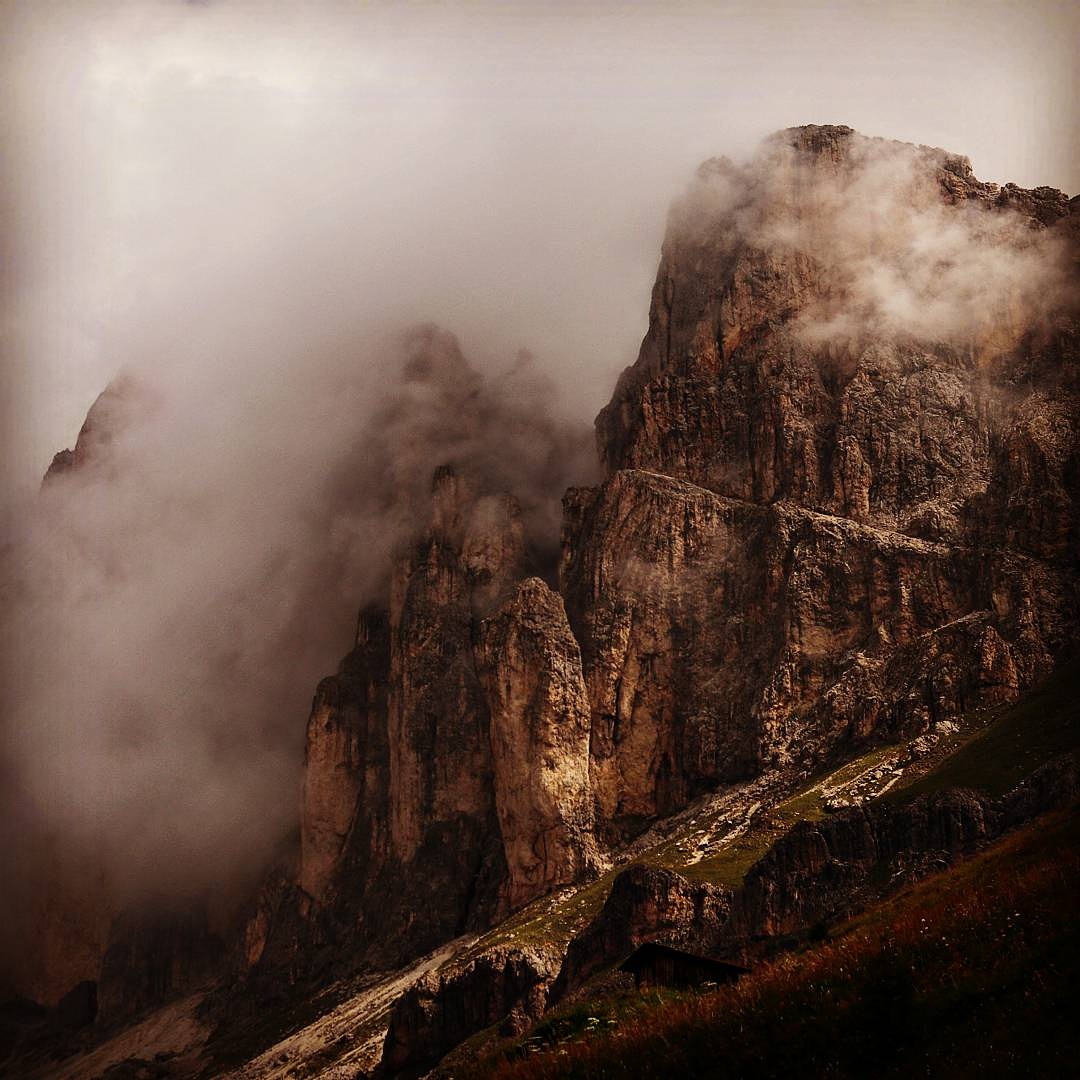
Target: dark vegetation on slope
column 1013, row 743
column 969, row 973
column 1014, row 899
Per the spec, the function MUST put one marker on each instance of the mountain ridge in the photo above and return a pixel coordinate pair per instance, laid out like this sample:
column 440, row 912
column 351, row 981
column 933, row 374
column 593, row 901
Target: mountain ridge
column 840, row 510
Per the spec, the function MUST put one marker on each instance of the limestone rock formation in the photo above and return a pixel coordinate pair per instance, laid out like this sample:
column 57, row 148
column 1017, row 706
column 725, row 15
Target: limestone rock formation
column 447, row 768
column 841, row 504
column 646, row 903
column 530, row 668
column 400, row 840
column 716, row 633
column 505, row 986
column 440, row 751
column 835, row 510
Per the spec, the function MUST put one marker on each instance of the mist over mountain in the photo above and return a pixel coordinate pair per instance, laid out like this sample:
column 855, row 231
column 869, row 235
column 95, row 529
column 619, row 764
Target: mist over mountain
column 322, row 307
column 169, row 607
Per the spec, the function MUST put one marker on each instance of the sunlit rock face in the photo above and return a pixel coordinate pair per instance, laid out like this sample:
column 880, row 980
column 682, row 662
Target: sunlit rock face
column 399, row 821
column 530, row 667
column 447, row 775
column 439, row 742
column 447, row 770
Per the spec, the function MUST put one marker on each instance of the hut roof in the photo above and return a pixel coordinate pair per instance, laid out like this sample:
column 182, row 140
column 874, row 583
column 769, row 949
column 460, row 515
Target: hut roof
column 651, row 951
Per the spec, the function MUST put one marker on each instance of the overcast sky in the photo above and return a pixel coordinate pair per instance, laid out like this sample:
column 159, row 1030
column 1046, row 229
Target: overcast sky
column 503, row 169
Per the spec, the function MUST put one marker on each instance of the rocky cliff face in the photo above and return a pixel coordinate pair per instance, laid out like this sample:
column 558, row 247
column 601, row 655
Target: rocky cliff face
column 720, row 635
column 447, row 768
column 530, row 667
column 506, row 986
column 840, row 504
column 345, row 764
column 645, row 904
column 804, row 346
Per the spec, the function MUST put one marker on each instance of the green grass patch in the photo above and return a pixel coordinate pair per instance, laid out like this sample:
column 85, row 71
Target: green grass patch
column 1014, row 742
column 730, row 865
column 547, row 920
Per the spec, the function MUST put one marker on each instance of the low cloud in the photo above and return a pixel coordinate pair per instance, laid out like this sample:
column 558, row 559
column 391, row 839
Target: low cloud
column 171, row 602
column 893, row 257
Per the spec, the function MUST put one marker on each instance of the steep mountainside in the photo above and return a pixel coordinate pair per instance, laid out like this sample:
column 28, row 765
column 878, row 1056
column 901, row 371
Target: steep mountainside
column 882, row 527
column 826, row 521
column 816, row 528
column 840, row 511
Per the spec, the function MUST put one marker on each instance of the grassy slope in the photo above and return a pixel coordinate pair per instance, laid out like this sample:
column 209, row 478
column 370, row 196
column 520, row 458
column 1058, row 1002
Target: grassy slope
column 970, row 973
column 730, row 865
column 1013, row 743
column 993, row 752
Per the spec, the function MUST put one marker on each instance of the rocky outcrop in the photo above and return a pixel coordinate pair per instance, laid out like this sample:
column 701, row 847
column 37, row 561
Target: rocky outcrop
column 530, row 668
column 123, row 402
column 400, row 841
column 646, row 903
column 440, row 752
column 445, row 865
column 824, row 870
column 504, row 986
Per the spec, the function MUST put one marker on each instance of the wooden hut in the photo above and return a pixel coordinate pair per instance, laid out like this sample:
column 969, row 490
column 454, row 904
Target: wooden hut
column 653, row 964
